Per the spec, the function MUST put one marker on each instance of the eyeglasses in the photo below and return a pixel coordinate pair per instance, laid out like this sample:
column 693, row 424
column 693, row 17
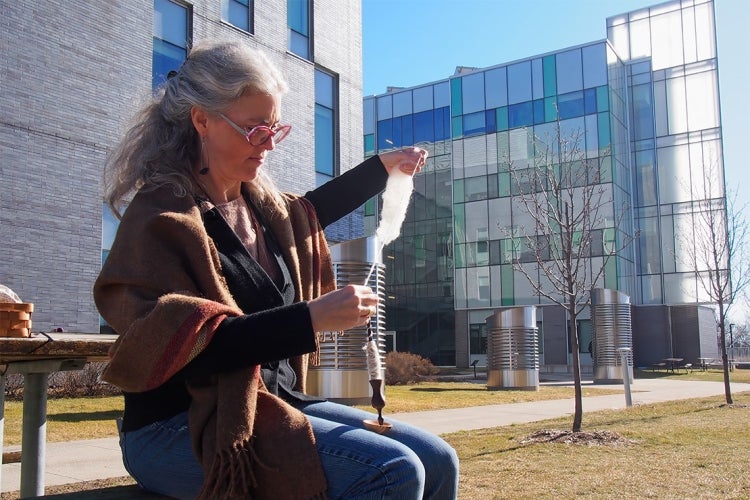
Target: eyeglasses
column 260, row 134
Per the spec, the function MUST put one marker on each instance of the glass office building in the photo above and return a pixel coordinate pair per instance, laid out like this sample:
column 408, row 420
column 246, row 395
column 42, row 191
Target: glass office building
column 644, row 106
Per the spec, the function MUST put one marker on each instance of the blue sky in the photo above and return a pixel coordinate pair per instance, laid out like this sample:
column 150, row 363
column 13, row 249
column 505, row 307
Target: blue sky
column 411, row 42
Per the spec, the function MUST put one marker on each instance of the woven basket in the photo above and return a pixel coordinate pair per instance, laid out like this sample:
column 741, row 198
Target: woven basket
column 15, row 319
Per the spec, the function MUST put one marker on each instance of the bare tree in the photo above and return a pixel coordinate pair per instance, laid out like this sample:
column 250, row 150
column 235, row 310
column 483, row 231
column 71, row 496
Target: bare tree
column 574, row 228
column 716, row 251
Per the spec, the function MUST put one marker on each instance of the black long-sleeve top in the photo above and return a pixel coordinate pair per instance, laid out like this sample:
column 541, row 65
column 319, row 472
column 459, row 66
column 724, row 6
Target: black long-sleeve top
column 281, row 328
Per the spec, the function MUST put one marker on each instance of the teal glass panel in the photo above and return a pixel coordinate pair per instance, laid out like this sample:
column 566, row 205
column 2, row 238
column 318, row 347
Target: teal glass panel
column 602, row 98
column 458, row 190
column 461, row 256
column 605, row 169
column 550, row 76
column 459, row 222
column 457, row 126
column 502, row 118
column 503, row 184
column 369, row 144
column 506, row 290
column 604, row 134
column 608, row 240
column 370, row 206
column 457, row 108
column 550, row 109
column 610, row 273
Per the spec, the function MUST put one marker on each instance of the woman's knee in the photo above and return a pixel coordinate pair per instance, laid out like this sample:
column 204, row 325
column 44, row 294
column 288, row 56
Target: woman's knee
column 405, row 477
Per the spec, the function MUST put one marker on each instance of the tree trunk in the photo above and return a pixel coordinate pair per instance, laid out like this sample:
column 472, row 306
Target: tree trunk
column 724, row 357
column 578, row 416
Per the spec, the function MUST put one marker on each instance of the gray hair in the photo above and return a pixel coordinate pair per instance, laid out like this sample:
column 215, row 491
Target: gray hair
column 161, row 147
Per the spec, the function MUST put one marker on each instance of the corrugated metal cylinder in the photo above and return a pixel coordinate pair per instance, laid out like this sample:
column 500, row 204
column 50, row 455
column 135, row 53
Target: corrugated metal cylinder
column 342, row 373
column 512, row 349
column 610, row 318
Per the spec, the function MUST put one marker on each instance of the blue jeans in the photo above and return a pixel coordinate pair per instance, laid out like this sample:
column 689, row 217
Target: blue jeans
column 404, row 463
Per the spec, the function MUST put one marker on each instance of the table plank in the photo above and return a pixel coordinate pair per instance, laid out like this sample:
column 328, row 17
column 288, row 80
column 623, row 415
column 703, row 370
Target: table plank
column 93, row 347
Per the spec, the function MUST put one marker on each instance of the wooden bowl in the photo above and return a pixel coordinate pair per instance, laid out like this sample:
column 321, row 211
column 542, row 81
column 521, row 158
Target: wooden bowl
column 374, row 426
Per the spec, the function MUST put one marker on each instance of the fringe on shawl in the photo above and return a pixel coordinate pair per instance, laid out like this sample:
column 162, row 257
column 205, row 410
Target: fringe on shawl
column 232, row 477
column 231, row 474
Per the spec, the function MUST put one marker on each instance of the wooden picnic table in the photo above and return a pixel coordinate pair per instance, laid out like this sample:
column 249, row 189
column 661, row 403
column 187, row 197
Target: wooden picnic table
column 36, row 357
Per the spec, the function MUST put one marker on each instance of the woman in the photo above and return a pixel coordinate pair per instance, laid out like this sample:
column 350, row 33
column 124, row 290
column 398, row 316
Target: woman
column 217, row 284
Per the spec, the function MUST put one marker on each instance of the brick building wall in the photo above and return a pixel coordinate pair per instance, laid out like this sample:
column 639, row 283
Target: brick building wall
column 72, row 74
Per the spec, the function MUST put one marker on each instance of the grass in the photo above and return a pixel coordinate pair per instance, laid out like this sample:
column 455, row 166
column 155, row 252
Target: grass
column 686, row 449
column 444, row 395
column 66, row 416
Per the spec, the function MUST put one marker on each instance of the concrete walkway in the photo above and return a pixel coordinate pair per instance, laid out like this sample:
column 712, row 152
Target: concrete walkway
column 76, row 461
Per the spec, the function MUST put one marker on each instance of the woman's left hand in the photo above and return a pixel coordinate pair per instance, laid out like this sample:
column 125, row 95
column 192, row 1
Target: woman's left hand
column 408, row 160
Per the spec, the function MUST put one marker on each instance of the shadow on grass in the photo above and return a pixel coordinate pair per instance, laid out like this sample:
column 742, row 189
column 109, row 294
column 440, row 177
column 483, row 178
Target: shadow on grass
column 85, row 416
column 446, row 389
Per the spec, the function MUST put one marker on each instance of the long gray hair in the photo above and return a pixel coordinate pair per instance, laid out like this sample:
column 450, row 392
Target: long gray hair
column 161, row 147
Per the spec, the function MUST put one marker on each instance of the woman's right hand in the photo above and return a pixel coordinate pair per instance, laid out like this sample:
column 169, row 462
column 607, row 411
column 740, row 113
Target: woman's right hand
column 343, row 309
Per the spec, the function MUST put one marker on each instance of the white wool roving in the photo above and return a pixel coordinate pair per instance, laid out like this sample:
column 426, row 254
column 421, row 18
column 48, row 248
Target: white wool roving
column 395, row 202
column 374, row 365
column 396, row 197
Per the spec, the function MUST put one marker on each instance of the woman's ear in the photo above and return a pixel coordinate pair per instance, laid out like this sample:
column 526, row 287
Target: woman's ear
column 200, row 120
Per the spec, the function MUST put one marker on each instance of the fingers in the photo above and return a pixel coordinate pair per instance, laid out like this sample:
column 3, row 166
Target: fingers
column 418, row 160
column 407, row 160
column 350, row 306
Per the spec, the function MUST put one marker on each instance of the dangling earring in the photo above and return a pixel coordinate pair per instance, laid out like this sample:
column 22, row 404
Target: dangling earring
column 204, row 157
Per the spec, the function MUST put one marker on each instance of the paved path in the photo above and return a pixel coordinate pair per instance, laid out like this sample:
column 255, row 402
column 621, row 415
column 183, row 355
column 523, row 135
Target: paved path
column 77, row 461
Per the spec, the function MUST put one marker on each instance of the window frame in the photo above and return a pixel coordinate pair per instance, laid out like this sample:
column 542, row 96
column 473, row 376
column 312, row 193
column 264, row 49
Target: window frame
column 335, row 167
column 292, row 31
column 250, row 15
column 159, row 80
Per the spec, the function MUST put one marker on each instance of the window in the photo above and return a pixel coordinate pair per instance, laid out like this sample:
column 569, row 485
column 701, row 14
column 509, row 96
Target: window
column 298, row 21
column 238, row 13
column 521, row 115
column 478, row 338
column 326, row 164
column 172, row 33
column 585, row 336
column 571, row 105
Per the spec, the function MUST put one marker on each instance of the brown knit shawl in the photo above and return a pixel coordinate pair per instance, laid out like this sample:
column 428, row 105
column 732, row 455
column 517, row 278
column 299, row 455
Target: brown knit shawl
column 162, row 289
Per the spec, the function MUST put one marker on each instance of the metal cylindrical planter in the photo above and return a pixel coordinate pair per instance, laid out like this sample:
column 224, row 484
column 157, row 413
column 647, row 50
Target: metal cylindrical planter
column 342, row 374
column 610, row 318
column 512, row 349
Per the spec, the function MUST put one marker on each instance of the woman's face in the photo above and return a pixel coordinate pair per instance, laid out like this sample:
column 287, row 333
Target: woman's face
column 230, row 157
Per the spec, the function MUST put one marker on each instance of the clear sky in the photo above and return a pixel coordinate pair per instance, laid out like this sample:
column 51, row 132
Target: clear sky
column 412, row 42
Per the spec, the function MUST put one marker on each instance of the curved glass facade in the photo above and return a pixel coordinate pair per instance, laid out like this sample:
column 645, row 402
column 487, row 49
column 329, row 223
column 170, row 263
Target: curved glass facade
column 641, row 134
